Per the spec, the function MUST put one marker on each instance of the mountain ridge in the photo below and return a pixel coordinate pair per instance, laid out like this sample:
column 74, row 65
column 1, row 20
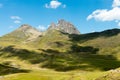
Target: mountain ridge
column 60, row 51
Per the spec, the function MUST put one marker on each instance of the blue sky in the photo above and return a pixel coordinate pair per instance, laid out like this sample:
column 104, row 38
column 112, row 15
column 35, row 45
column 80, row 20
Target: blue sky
column 86, row 15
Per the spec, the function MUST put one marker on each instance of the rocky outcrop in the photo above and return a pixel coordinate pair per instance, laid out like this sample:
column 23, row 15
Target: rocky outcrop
column 111, row 75
column 29, row 31
column 24, row 33
column 64, row 26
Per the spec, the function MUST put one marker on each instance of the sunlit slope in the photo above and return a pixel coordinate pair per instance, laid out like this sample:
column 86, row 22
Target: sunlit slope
column 53, row 39
column 94, row 52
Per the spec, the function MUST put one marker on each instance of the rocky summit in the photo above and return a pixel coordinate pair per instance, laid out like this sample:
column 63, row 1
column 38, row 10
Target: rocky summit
column 64, row 26
column 27, row 29
column 24, row 33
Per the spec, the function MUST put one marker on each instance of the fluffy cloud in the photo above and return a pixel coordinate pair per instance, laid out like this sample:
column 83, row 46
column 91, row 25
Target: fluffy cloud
column 1, row 5
column 16, row 19
column 54, row 4
column 41, row 28
column 107, row 15
column 116, row 3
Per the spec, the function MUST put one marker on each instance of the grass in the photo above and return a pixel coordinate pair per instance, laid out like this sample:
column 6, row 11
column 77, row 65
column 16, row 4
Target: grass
column 53, row 75
column 68, row 57
column 86, row 66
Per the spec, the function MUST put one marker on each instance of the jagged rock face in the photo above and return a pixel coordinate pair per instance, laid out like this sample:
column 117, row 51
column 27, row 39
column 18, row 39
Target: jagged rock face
column 64, row 26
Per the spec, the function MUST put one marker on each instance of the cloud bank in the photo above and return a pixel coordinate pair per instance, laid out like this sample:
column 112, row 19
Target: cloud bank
column 107, row 15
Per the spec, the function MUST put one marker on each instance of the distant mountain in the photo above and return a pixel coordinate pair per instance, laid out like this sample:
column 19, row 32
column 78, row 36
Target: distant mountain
column 64, row 26
column 29, row 32
column 24, row 33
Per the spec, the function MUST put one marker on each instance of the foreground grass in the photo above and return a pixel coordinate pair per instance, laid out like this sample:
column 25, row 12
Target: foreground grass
column 45, row 74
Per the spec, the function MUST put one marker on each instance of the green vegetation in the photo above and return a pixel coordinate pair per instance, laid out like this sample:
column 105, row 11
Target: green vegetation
column 60, row 56
column 9, row 70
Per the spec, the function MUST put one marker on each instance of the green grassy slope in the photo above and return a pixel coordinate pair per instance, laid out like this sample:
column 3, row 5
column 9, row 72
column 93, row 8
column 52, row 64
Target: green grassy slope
column 52, row 39
column 93, row 53
column 15, row 37
column 108, row 42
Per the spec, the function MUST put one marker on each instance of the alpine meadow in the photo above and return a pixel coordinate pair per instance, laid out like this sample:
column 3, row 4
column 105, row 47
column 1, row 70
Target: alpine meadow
column 83, row 43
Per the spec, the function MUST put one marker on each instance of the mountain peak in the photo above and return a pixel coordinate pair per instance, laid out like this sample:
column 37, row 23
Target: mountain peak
column 28, row 31
column 64, row 26
column 25, row 27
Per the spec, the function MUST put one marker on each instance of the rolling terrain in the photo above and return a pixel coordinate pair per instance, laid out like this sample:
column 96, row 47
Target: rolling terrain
column 60, row 53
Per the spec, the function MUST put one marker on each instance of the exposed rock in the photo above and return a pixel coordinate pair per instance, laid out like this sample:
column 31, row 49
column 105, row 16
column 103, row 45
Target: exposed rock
column 52, row 26
column 29, row 31
column 111, row 75
column 26, row 33
column 65, row 27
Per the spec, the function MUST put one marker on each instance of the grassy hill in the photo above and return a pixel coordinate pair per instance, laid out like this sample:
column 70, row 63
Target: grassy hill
column 89, row 54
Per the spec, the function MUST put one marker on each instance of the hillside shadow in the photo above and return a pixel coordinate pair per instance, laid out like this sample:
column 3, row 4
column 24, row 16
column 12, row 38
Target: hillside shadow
column 90, row 36
column 81, row 58
column 83, row 49
column 5, row 70
column 23, row 54
column 78, row 57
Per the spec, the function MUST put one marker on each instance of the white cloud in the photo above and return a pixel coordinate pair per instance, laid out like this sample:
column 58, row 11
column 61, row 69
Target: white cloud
column 41, row 28
column 17, row 21
column 15, row 17
column 54, row 4
column 1, row 5
column 107, row 15
column 116, row 3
